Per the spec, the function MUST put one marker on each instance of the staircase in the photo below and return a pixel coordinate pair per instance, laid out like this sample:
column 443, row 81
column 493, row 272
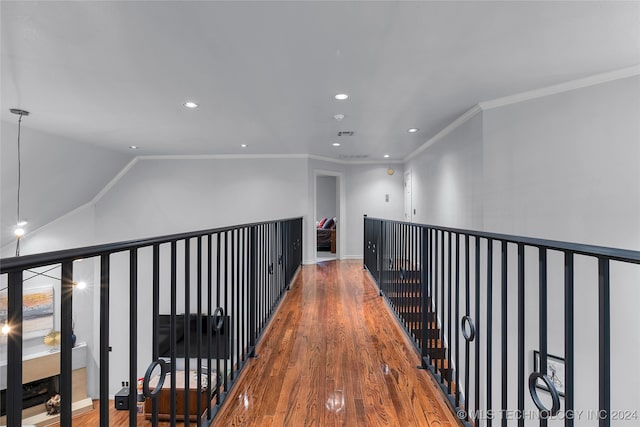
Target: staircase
column 401, row 287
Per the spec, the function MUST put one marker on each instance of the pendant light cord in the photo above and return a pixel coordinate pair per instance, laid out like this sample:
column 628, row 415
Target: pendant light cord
column 19, row 185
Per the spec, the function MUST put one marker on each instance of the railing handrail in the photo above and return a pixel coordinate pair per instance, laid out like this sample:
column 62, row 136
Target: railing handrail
column 450, row 298
column 47, row 258
column 239, row 272
column 615, row 254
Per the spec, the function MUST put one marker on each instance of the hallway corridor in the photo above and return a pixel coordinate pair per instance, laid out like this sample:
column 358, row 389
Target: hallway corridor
column 334, row 355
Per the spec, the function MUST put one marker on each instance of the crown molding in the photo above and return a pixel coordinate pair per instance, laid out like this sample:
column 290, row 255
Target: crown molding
column 526, row 96
column 91, row 203
column 356, row 162
column 469, row 114
column 327, row 159
column 562, row 87
column 265, row 156
column 221, row 156
column 113, row 181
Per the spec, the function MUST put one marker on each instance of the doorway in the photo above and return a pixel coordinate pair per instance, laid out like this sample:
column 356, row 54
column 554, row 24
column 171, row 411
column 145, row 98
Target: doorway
column 328, row 227
column 408, row 205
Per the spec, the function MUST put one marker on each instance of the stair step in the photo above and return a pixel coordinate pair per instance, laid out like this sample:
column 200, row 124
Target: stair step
column 416, row 319
column 435, row 349
column 413, row 316
column 431, row 326
column 442, row 367
column 431, row 333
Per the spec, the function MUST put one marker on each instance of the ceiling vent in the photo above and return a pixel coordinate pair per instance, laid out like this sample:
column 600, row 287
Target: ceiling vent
column 346, row 133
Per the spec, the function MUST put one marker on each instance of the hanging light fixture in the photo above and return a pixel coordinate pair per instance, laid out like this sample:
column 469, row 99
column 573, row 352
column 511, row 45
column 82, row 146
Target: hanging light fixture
column 19, row 231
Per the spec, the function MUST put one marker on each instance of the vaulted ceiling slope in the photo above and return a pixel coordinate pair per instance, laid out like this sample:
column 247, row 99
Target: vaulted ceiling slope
column 116, row 73
column 58, row 175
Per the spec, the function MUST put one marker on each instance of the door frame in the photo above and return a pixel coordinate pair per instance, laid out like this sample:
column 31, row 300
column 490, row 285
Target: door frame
column 341, row 226
column 408, row 200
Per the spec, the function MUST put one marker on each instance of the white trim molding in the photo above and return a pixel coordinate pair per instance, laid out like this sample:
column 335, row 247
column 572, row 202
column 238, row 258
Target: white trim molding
column 469, row 114
column 221, row 156
column 526, row 96
column 265, row 156
column 356, row 162
column 562, row 87
column 113, row 181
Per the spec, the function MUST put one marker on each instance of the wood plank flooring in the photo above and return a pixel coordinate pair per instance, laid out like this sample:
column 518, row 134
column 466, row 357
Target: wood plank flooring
column 333, row 355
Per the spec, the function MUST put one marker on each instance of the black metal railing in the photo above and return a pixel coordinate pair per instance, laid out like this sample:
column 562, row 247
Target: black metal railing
column 487, row 310
column 212, row 294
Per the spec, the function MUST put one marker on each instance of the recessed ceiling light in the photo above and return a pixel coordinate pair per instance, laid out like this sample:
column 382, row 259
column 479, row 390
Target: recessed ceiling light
column 190, row 104
column 342, row 96
column 413, row 130
column 243, row 145
column 336, row 144
column 338, row 117
column 386, row 156
column 133, row 147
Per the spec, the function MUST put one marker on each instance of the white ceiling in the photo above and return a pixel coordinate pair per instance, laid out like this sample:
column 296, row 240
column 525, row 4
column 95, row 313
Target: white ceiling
column 115, row 73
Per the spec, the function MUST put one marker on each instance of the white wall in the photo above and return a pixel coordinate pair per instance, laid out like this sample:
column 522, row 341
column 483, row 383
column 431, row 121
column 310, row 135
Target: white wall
column 164, row 196
column 367, row 187
column 565, row 167
column 445, row 187
column 158, row 196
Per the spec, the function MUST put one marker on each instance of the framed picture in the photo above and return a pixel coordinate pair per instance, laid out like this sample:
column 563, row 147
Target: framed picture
column 555, row 371
column 37, row 311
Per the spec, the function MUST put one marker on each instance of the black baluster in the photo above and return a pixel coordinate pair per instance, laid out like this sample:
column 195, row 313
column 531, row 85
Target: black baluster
column 504, row 320
column 568, row 339
column 14, row 349
column 521, row 319
column 604, row 342
column 104, row 341
column 133, row 340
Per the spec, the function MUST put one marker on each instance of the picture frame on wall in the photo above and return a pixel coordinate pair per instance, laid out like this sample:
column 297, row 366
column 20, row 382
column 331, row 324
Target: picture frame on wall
column 555, row 371
column 38, row 311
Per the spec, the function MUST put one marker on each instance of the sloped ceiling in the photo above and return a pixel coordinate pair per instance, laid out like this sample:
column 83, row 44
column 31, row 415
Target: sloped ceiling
column 58, row 175
column 110, row 74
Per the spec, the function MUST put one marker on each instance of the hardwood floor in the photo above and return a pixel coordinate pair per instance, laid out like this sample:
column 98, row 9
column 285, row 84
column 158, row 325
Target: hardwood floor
column 333, row 355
